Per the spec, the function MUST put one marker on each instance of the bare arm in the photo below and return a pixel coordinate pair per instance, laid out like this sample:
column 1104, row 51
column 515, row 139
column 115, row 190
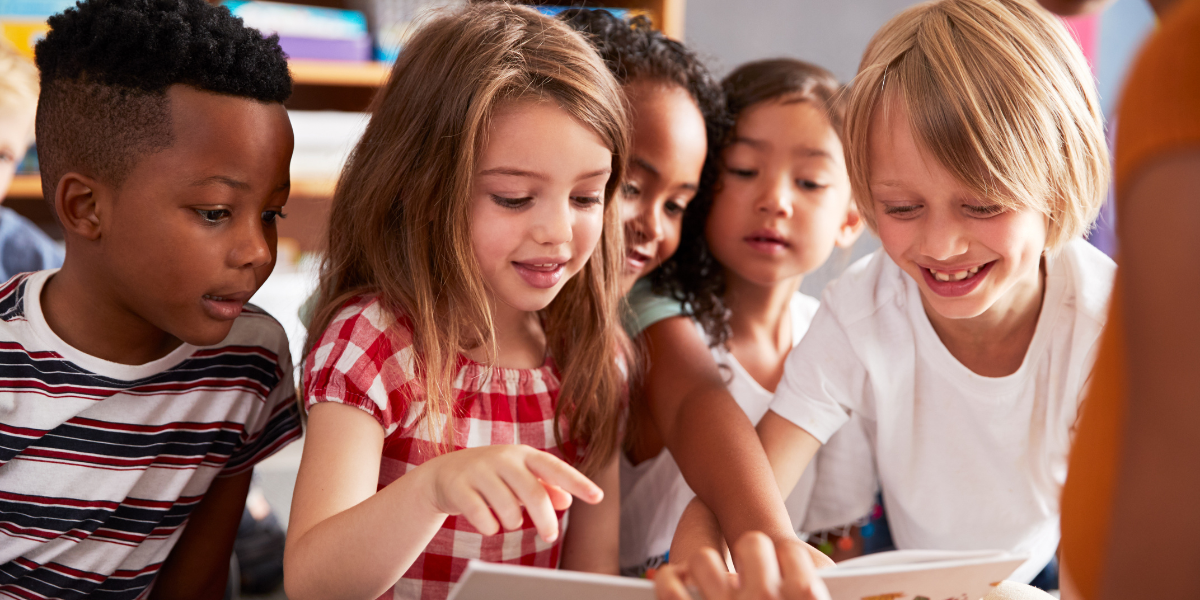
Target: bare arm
column 1160, row 469
column 592, row 542
column 198, row 565
column 345, row 540
column 712, row 441
column 789, row 449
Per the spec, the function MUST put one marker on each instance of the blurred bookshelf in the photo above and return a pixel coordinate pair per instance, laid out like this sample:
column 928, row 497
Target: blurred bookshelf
column 329, row 95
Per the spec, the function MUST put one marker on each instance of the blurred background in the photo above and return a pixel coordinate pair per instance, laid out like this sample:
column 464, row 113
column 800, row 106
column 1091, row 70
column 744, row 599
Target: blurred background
column 340, row 52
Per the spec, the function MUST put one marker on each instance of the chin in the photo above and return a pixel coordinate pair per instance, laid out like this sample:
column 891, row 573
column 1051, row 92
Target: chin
column 208, row 335
column 956, row 308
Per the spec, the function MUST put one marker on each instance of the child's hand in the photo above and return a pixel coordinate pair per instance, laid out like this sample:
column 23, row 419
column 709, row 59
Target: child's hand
column 784, row 572
column 482, row 484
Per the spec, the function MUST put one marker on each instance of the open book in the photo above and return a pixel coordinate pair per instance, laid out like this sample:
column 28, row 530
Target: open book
column 898, row 575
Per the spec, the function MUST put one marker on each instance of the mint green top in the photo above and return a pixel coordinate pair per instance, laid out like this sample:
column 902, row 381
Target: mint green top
column 645, row 308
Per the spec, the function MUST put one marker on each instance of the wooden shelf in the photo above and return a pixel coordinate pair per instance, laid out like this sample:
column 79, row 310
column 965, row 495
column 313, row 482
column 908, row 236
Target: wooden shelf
column 338, row 73
column 29, row 187
column 26, row 186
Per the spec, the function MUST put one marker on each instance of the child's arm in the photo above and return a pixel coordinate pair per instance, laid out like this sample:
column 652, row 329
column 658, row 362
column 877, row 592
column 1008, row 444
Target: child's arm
column 198, row 565
column 789, row 449
column 345, row 540
column 591, row 542
column 712, row 441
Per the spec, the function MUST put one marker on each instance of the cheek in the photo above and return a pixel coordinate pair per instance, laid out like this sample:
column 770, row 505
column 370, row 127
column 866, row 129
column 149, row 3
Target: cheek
column 587, row 230
column 895, row 235
column 670, row 241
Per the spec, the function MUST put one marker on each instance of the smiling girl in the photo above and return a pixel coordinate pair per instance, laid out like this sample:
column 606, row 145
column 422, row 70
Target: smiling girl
column 976, row 152
column 466, row 355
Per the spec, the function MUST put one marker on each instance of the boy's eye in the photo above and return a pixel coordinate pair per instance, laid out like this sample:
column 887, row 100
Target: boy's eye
column 807, row 184
column 587, row 201
column 743, row 173
column 630, row 190
column 212, row 216
column 511, row 202
column 988, row 210
column 269, row 216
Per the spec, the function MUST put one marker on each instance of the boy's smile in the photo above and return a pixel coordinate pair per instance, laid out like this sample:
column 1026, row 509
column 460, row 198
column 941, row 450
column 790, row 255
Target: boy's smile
column 179, row 247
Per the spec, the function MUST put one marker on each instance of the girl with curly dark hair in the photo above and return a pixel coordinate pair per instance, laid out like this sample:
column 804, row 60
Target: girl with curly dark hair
column 780, row 205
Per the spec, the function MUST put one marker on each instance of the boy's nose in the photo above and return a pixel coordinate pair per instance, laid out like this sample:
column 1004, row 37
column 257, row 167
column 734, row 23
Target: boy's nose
column 256, row 248
column 942, row 238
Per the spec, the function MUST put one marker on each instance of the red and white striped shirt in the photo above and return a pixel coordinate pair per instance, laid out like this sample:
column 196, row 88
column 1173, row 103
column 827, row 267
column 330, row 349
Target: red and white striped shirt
column 101, row 463
column 365, row 358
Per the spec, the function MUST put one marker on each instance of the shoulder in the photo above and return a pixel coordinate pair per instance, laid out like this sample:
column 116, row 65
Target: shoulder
column 869, row 285
column 12, row 297
column 363, row 333
column 1160, row 105
column 1090, row 275
column 647, row 308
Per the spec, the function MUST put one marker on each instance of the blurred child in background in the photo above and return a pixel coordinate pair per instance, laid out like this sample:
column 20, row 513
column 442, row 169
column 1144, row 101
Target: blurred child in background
column 23, row 246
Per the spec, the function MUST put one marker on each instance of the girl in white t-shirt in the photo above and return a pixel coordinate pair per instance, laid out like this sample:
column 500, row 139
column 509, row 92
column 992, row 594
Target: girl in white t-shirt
column 780, row 206
column 976, row 151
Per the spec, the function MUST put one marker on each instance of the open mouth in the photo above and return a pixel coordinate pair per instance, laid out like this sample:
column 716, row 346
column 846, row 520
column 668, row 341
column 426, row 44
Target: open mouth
column 768, row 241
column 955, row 282
column 225, row 307
column 636, row 260
column 541, row 273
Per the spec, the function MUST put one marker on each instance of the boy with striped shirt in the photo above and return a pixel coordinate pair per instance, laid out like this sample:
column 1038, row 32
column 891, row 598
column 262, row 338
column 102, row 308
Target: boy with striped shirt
column 137, row 390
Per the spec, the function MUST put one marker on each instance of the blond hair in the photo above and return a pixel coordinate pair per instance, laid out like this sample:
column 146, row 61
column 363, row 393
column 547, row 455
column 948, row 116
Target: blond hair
column 18, row 81
column 400, row 223
column 999, row 93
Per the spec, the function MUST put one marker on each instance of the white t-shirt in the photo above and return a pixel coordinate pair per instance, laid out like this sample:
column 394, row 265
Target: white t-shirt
column 965, row 461
column 654, row 493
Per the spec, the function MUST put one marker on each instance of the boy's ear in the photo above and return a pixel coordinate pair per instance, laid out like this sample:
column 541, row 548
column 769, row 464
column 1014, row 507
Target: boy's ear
column 851, row 228
column 75, row 204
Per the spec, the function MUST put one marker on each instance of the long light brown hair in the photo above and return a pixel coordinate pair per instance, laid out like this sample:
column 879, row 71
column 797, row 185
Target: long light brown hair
column 400, row 224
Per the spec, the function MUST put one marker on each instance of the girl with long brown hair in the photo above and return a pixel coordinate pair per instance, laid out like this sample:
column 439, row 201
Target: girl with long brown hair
column 465, row 355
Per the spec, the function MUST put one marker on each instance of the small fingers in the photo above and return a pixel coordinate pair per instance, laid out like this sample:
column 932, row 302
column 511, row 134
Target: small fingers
column 532, row 493
column 503, row 502
column 668, row 584
column 558, row 473
column 758, row 571
column 477, row 512
column 799, row 572
column 708, row 571
column 559, row 498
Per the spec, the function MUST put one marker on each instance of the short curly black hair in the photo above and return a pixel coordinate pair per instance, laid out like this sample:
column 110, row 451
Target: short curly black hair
column 106, row 66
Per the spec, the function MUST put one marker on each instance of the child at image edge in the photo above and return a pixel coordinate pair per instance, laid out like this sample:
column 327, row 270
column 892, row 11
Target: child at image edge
column 23, row 246
column 976, row 152
column 466, row 345
column 136, row 390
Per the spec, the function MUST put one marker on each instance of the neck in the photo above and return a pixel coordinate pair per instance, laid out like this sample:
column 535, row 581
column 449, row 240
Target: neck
column 520, row 340
column 82, row 308
column 761, row 312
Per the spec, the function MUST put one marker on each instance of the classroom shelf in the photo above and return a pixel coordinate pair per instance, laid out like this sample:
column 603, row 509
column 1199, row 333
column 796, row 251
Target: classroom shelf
column 26, row 187
column 338, row 73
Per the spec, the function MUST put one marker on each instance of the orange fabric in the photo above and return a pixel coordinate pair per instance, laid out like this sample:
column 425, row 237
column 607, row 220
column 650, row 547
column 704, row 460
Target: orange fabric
column 1159, row 113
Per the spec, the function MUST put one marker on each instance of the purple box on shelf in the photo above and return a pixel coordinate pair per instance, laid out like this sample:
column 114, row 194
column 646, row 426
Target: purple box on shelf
column 324, row 49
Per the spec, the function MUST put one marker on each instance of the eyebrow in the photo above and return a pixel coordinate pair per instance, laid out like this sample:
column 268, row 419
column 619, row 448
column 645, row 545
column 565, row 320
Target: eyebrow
column 222, row 180
column 811, row 152
column 513, row 172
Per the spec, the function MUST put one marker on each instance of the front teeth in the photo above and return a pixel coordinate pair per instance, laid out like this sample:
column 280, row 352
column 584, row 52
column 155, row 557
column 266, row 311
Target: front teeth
column 955, row 276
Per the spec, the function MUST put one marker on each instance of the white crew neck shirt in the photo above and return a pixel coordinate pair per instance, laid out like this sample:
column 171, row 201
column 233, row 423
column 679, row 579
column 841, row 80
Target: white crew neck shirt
column 654, row 493
column 965, row 461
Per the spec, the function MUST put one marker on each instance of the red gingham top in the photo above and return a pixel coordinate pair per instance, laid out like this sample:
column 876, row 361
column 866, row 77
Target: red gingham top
column 357, row 364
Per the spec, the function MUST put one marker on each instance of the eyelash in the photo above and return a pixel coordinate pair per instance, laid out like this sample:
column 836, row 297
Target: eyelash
column 517, row 203
column 214, row 216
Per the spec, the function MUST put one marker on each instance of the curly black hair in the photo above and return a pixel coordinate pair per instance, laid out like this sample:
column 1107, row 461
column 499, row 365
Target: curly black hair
column 695, row 277
column 106, row 66
column 633, row 50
